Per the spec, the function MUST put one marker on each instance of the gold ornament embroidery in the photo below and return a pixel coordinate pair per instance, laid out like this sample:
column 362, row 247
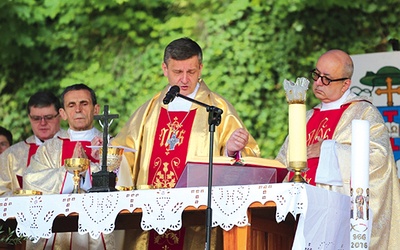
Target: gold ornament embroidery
column 166, row 176
column 169, row 236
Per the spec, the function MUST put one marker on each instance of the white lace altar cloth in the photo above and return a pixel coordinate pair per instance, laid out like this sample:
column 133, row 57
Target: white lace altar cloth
column 324, row 221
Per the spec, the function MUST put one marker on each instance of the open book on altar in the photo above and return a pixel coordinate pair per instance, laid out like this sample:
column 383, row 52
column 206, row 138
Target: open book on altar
column 228, row 171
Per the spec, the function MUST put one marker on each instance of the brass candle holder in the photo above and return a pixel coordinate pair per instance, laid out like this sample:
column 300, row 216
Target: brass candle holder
column 76, row 166
column 296, row 97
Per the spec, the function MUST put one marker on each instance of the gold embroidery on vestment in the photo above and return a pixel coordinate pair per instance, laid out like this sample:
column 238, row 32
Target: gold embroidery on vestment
column 171, row 237
column 320, row 132
column 166, row 176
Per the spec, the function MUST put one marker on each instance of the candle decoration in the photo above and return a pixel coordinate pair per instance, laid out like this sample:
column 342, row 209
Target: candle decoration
column 359, row 186
column 296, row 98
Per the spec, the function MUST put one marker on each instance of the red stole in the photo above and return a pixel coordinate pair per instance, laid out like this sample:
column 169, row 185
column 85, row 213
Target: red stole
column 69, row 146
column 168, row 158
column 32, row 150
column 321, row 125
column 167, row 162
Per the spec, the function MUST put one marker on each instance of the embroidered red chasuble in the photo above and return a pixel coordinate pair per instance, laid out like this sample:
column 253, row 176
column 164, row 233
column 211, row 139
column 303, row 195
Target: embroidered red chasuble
column 167, row 163
column 321, row 125
column 32, row 150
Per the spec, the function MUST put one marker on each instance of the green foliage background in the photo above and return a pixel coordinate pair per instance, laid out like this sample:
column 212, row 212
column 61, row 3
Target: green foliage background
column 116, row 47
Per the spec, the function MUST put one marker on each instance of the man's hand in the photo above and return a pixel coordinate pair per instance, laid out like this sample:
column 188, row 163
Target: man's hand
column 237, row 141
column 314, row 150
column 96, row 141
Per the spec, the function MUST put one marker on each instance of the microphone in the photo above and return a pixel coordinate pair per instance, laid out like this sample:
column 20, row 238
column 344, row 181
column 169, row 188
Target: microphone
column 171, row 94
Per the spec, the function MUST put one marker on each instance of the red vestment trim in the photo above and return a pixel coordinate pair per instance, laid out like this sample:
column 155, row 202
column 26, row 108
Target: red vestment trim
column 69, row 146
column 32, row 150
column 321, row 126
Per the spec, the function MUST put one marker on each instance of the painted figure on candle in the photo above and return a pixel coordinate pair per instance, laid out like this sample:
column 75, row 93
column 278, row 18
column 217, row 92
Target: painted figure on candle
column 351, row 204
column 329, row 142
column 360, row 203
column 367, row 202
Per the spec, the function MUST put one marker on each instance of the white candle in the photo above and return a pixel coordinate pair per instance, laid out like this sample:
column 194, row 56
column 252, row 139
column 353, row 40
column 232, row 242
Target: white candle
column 360, row 153
column 297, row 133
column 359, row 186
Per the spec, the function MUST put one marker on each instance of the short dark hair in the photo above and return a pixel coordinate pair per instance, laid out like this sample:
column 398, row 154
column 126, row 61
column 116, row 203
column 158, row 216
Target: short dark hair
column 79, row 86
column 7, row 133
column 43, row 99
column 182, row 49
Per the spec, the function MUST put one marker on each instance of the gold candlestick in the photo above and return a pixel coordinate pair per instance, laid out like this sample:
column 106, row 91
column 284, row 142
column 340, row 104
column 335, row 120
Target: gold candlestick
column 296, row 97
column 76, row 166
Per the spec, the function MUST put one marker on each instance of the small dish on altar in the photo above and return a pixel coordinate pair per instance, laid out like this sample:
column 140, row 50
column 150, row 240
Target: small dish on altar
column 123, row 188
column 24, row 192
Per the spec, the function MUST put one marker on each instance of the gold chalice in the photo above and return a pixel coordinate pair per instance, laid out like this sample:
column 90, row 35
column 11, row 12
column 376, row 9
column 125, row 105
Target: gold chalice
column 76, row 166
column 25, row 192
column 114, row 158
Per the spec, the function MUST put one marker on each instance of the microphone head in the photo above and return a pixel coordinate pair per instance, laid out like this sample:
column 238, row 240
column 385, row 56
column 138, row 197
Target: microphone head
column 171, row 94
column 174, row 90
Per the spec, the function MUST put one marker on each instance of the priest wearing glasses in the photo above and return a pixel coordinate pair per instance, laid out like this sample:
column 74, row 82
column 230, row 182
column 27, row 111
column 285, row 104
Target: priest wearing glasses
column 45, row 121
column 329, row 134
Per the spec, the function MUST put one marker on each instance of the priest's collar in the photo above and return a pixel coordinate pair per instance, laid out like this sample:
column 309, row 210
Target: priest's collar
column 40, row 142
column 180, row 104
column 335, row 104
column 86, row 135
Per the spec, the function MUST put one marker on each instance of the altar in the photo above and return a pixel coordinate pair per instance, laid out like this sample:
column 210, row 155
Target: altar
column 322, row 216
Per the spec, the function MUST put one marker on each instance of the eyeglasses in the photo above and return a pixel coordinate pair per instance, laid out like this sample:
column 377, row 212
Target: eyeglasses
column 47, row 118
column 325, row 80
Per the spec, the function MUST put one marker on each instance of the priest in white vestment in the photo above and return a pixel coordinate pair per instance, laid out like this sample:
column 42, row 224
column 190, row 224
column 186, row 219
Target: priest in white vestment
column 47, row 174
column 43, row 113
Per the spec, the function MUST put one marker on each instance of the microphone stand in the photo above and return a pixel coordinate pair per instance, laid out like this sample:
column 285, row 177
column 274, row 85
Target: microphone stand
column 214, row 119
